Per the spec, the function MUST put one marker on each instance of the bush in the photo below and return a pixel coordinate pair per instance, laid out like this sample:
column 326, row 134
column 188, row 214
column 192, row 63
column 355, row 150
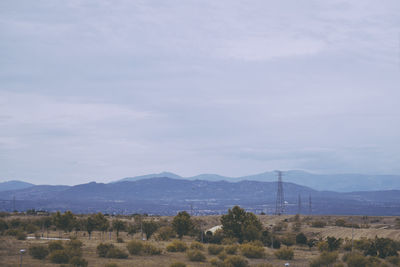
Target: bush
column 135, row 247
column 177, row 246
column 284, row 254
column 111, row 264
column 231, row 249
column 55, row 245
column 395, row 260
column 59, row 256
column 340, row 222
column 120, row 240
column 177, row 264
column 318, row 224
column 301, row 239
column 73, row 248
column 165, row 233
column 355, row 260
column 325, row 259
column 214, row 249
column 222, row 256
column 195, row 255
column 78, row 262
column 38, row 252
column 236, row 261
column 150, row 249
column 116, row 253
column 253, row 252
column 102, row 249
column 197, row 245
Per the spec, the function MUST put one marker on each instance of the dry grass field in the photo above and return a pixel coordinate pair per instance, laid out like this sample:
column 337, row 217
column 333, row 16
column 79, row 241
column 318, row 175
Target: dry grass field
column 370, row 228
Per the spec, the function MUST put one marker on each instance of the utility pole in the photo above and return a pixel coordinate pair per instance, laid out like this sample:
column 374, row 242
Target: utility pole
column 299, row 205
column 280, row 202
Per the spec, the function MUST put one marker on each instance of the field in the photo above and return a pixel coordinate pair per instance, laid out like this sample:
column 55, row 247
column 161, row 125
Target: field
column 363, row 227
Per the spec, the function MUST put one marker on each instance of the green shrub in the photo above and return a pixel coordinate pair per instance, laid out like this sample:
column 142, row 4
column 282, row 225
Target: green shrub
column 231, row 249
column 251, row 251
column 78, row 262
column 263, row 265
column 217, row 263
column 102, row 249
column 177, row 246
column 340, row 222
column 150, row 249
column 325, row 259
column 284, row 254
column 116, row 253
column 59, row 256
column 55, row 245
column 222, row 256
column 177, row 264
column 236, row 261
column 195, row 255
column 38, row 252
column 395, row 260
column 301, row 239
column 111, row 264
column 165, row 233
column 318, row 224
column 135, row 247
column 214, row 249
column 120, row 240
column 355, row 260
column 197, row 245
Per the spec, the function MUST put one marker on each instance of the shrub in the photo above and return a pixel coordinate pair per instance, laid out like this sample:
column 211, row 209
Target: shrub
column 318, row 224
column 38, row 252
column 216, row 262
column 301, row 239
column 177, row 264
column 78, row 262
column 395, row 260
column 55, row 245
column 214, row 249
column 111, row 264
column 333, row 243
column 340, row 222
column 59, row 256
column 284, row 254
column 73, row 248
column 116, row 253
column 135, row 247
column 251, row 251
column 229, row 241
column 355, row 260
column 325, row 259
column 195, row 255
column 222, row 255
column 21, row 235
column 231, row 249
column 120, row 240
column 236, row 261
column 177, row 246
column 288, row 239
column 197, row 245
column 165, row 233
column 150, row 249
column 102, row 249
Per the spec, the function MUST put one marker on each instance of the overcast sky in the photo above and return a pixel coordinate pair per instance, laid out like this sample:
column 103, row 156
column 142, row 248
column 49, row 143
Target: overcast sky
column 101, row 90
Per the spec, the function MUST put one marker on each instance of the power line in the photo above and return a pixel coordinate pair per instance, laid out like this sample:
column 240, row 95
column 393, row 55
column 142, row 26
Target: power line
column 280, row 202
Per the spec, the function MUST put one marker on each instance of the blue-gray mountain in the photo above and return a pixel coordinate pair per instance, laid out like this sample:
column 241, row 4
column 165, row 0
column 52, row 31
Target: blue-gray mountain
column 334, row 182
column 14, row 185
column 167, row 196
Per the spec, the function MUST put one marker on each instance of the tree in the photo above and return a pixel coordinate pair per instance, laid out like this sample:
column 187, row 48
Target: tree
column 149, row 228
column 301, row 239
column 238, row 223
column 90, row 225
column 182, row 223
column 102, row 224
column 118, row 226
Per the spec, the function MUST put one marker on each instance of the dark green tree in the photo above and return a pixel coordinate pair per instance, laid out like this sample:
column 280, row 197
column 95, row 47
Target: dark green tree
column 182, row 223
column 245, row 226
column 118, row 226
column 149, row 228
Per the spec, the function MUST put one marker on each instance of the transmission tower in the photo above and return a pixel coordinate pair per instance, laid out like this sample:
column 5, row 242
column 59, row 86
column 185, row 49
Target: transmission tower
column 280, row 202
column 309, row 205
column 299, row 205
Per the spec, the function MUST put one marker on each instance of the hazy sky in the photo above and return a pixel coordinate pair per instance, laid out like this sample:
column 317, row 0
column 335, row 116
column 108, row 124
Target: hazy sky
column 101, row 90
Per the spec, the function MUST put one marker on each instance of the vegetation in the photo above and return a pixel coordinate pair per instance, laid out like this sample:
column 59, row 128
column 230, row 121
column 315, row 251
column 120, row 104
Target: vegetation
column 284, row 254
column 177, row 246
column 182, row 223
column 195, row 255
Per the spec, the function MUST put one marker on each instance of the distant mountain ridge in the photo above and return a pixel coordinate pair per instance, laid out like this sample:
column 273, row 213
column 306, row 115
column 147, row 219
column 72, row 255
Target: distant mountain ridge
column 166, row 196
column 14, row 185
column 334, row 182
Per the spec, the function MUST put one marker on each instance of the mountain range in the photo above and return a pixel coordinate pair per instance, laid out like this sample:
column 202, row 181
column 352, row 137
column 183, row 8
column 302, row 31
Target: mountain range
column 166, row 196
column 334, row 182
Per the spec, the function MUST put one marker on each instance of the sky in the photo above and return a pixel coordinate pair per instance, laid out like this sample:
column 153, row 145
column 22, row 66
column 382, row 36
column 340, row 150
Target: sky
column 98, row 90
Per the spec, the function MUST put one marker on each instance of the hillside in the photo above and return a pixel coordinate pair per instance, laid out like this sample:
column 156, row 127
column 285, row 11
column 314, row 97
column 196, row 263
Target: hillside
column 167, row 196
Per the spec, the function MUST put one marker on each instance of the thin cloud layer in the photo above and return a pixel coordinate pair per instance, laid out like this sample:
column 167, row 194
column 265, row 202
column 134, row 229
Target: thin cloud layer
column 99, row 90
